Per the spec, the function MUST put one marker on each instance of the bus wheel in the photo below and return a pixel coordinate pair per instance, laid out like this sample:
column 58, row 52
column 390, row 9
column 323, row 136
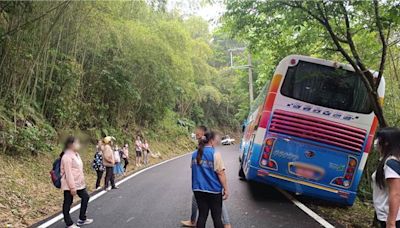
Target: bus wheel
column 241, row 173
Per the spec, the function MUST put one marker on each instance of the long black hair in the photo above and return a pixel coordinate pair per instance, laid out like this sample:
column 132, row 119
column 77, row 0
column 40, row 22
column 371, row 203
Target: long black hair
column 208, row 136
column 203, row 128
column 389, row 144
column 68, row 142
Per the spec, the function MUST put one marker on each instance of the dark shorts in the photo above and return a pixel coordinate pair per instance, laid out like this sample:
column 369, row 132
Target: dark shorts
column 138, row 153
column 383, row 224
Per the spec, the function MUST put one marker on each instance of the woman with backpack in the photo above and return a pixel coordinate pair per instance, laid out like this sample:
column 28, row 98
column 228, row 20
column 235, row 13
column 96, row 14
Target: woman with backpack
column 97, row 164
column 386, row 179
column 209, row 183
column 73, row 182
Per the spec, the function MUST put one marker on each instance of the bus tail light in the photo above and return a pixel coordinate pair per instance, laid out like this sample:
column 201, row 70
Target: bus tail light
column 266, row 160
column 269, row 142
column 347, row 178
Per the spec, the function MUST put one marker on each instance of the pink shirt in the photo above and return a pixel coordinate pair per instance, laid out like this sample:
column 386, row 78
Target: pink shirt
column 138, row 145
column 72, row 171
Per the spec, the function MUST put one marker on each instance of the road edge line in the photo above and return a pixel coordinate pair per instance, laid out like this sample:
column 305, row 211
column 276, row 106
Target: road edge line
column 306, row 210
column 92, row 198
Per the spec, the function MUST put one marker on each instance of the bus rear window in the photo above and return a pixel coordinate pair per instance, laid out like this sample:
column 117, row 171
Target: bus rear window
column 326, row 86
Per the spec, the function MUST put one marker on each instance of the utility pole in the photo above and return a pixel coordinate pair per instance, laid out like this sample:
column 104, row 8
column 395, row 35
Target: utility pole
column 248, row 66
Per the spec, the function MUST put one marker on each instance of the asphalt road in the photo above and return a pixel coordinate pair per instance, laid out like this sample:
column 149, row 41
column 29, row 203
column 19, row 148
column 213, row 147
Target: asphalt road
column 161, row 197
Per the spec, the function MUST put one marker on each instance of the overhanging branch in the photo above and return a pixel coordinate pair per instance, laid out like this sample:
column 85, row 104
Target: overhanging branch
column 383, row 42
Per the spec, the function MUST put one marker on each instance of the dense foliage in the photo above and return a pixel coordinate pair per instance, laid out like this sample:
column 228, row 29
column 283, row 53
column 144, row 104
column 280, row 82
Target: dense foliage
column 102, row 66
column 275, row 29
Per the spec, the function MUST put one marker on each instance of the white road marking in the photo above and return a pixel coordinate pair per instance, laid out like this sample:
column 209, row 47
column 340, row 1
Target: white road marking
column 130, row 219
column 60, row 216
column 306, row 210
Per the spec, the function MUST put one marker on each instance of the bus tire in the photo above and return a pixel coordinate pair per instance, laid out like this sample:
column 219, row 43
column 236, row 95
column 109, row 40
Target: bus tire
column 241, row 173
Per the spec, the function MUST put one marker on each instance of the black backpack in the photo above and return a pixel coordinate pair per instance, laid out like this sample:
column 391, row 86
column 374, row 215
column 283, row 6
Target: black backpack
column 55, row 173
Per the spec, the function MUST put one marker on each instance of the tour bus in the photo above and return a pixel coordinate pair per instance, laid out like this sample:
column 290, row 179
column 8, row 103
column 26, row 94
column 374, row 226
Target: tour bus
column 310, row 130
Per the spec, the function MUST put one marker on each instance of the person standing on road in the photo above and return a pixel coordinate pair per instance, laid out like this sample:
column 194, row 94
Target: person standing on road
column 138, row 149
column 108, row 162
column 209, row 182
column 118, row 170
column 125, row 156
column 200, row 131
column 386, row 179
column 73, row 182
column 97, row 164
column 146, row 152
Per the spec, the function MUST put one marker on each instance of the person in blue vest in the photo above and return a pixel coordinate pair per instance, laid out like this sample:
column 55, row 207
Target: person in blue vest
column 209, row 182
column 200, row 131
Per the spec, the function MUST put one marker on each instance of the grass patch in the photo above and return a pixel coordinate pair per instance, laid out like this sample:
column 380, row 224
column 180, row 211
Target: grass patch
column 361, row 214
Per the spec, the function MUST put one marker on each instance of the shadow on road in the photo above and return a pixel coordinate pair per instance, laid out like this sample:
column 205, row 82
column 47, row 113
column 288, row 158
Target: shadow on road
column 314, row 202
column 264, row 193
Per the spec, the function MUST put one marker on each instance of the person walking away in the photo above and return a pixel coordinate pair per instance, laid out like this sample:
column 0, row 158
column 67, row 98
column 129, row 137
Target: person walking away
column 199, row 133
column 138, row 149
column 118, row 170
column 73, row 182
column 146, row 152
column 386, row 178
column 97, row 164
column 209, row 182
column 125, row 156
column 108, row 162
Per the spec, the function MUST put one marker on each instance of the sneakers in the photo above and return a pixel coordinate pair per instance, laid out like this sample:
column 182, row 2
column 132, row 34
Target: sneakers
column 84, row 222
column 109, row 188
column 188, row 223
column 98, row 188
column 73, row 226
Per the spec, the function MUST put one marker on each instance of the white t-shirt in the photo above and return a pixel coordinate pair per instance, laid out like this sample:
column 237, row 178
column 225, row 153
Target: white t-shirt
column 381, row 196
column 117, row 157
column 218, row 162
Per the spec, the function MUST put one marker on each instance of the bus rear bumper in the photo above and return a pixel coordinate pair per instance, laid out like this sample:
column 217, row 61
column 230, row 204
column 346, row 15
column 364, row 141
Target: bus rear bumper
column 341, row 196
